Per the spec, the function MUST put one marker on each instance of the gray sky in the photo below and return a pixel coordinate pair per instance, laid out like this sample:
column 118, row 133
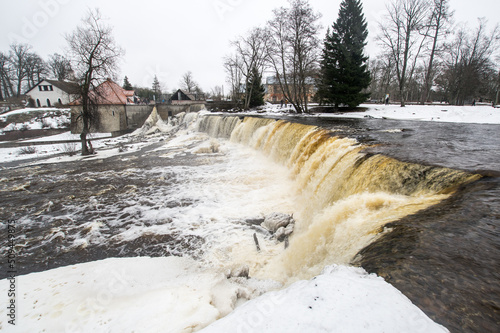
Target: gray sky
column 169, row 38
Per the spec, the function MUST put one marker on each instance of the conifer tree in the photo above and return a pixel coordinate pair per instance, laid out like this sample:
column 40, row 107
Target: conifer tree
column 344, row 67
column 156, row 87
column 255, row 89
column 126, row 84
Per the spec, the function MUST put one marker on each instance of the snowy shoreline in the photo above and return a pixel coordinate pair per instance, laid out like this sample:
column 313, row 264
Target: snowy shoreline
column 176, row 294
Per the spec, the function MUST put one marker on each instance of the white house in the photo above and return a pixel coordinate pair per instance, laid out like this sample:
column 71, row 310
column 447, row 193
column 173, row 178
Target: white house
column 48, row 93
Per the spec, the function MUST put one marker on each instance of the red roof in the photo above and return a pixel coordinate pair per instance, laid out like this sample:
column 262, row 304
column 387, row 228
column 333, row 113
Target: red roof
column 111, row 93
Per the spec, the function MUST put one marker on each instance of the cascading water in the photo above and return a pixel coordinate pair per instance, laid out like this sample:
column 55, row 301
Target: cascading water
column 344, row 197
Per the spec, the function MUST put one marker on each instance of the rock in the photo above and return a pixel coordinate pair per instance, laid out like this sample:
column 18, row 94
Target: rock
column 257, row 220
column 280, row 234
column 289, row 229
column 274, row 221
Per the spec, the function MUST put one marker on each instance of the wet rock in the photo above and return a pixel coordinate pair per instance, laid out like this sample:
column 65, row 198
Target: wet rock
column 289, row 228
column 257, row 220
column 274, row 221
column 280, row 234
column 280, row 225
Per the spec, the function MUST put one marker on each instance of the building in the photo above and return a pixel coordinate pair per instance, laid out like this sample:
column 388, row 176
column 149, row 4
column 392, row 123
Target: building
column 112, row 102
column 49, row 93
column 118, row 112
column 181, row 97
column 274, row 94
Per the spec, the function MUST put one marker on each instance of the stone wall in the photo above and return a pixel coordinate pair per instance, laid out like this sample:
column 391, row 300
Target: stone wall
column 137, row 115
column 113, row 118
column 120, row 118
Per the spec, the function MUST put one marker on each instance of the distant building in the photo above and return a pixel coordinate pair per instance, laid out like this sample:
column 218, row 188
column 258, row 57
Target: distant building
column 274, row 94
column 181, row 97
column 48, row 93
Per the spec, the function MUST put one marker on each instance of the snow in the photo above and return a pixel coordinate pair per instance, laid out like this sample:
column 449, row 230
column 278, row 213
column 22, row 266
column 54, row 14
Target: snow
column 44, row 151
column 126, row 295
column 342, row 299
column 25, row 110
column 52, row 118
column 479, row 114
column 66, row 136
column 178, row 295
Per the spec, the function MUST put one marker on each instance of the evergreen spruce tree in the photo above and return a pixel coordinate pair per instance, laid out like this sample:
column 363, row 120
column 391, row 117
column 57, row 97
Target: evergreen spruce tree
column 156, row 88
column 344, row 68
column 255, row 89
column 126, row 84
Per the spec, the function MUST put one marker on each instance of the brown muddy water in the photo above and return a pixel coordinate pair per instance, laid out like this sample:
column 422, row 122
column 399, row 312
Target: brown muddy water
column 417, row 203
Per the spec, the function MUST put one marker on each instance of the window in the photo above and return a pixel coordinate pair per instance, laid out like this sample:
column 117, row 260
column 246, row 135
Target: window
column 59, row 101
column 48, row 102
column 39, row 88
column 51, row 88
column 45, row 88
column 38, row 104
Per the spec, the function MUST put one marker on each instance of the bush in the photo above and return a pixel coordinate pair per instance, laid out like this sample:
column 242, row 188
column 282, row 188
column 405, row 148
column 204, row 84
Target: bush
column 69, row 148
column 29, row 150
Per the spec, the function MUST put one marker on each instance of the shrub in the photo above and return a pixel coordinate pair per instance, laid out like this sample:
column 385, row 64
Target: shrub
column 29, row 150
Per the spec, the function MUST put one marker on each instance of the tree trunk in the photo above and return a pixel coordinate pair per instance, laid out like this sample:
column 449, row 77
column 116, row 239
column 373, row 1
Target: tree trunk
column 83, row 137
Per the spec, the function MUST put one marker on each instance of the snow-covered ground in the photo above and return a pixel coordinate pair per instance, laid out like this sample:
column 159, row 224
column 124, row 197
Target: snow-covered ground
column 178, row 295
column 479, row 114
column 44, row 151
column 51, row 118
column 181, row 295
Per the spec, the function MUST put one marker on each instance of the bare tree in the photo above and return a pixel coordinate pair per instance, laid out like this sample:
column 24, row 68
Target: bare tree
column 232, row 66
column 18, row 58
column 36, row 70
column 6, row 86
column 60, row 67
column 95, row 55
column 252, row 50
column 496, row 101
column 216, row 93
column 438, row 21
column 469, row 63
column 403, row 34
column 188, row 83
column 382, row 77
column 293, row 51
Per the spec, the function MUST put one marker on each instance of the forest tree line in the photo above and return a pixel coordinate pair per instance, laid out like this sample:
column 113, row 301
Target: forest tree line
column 425, row 56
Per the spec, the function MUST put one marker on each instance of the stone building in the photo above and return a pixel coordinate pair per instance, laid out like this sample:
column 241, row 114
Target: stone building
column 112, row 103
column 119, row 114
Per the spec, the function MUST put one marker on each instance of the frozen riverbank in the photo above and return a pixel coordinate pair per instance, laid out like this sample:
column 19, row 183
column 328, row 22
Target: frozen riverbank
column 177, row 295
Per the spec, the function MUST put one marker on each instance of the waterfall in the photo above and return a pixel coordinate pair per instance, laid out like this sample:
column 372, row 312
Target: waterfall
column 345, row 196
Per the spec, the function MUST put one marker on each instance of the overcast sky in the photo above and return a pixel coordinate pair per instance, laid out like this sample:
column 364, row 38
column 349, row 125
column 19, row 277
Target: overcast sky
column 169, row 38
